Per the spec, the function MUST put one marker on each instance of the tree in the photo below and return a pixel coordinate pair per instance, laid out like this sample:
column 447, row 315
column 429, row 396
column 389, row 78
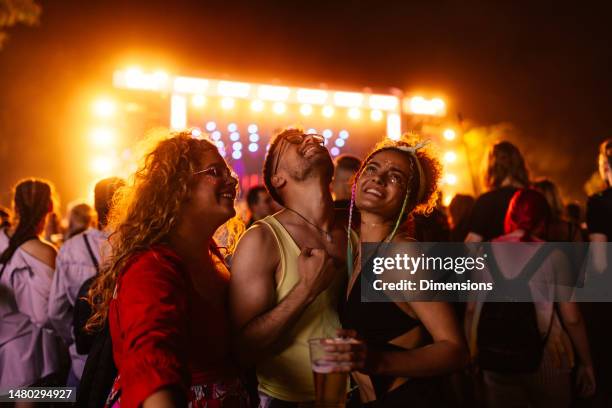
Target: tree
column 14, row 12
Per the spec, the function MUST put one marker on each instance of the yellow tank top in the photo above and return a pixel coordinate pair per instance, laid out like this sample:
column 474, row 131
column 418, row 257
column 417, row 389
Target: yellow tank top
column 286, row 374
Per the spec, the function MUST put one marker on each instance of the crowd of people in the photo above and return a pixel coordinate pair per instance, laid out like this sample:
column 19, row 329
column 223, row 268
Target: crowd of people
column 138, row 303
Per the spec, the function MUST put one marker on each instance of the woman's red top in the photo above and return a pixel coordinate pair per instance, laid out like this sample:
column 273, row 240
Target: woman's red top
column 165, row 333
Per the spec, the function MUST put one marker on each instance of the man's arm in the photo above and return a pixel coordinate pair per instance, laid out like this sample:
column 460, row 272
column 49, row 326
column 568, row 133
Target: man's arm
column 257, row 320
column 598, row 251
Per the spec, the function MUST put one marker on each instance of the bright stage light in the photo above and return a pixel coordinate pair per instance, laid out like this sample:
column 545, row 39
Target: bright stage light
column 327, row 133
column 311, row 131
column 306, row 109
column 450, row 157
column 312, row 96
column 210, row 126
column 450, row 134
column 421, row 106
column 103, row 165
column 438, row 105
column 237, row 146
column 233, row 89
column 328, row 111
column 190, row 85
column 197, row 133
column 232, row 127
column 450, row 179
column 447, row 199
column 257, row 105
column 339, row 142
column 134, row 78
column 252, row 128
column 102, row 137
column 344, row 134
column 394, row 126
column 334, row 151
column 376, row 115
column 104, row 108
column 273, row 93
column 216, row 135
column 354, row 113
column 348, row 99
column 254, row 137
column 253, row 147
column 234, row 136
column 383, row 102
column 236, row 154
column 178, row 112
column 279, row 108
column 198, row 101
column 228, row 103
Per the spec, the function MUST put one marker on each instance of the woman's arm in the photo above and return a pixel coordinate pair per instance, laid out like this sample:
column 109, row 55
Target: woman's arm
column 574, row 324
column 447, row 353
column 153, row 314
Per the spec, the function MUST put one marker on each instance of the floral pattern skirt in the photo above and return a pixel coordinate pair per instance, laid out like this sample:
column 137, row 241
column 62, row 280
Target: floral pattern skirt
column 224, row 394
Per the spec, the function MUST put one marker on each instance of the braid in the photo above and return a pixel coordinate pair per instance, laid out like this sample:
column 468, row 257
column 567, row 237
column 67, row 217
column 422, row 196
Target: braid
column 32, row 199
column 350, row 253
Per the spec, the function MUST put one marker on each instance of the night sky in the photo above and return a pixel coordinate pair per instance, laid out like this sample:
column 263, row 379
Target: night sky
column 544, row 68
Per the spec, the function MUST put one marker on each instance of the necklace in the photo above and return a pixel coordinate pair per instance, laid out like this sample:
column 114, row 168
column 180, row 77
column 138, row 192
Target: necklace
column 326, row 234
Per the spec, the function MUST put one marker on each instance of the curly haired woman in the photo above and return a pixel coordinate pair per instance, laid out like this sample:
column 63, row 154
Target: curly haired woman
column 408, row 343
column 164, row 289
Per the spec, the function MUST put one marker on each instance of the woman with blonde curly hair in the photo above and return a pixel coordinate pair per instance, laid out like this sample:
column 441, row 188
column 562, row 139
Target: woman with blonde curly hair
column 396, row 180
column 164, row 289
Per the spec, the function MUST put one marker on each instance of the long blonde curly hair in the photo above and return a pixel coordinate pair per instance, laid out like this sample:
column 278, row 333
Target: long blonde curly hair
column 146, row 210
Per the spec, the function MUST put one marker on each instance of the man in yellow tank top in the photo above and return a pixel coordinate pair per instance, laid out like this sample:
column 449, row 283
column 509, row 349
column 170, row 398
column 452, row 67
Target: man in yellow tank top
column 288, row 271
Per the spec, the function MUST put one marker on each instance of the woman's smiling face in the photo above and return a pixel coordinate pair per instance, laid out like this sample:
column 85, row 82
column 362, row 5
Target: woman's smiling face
column 214, row 191
column 383, row 182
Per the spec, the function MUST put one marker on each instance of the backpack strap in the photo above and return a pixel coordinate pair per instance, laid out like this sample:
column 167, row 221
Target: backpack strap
column 94, row 260
column 496, row 275
column 527, row 273
column 534, row 263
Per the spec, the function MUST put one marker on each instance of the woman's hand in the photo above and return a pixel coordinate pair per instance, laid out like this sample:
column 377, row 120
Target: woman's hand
column 585, row 380
column 353, row 353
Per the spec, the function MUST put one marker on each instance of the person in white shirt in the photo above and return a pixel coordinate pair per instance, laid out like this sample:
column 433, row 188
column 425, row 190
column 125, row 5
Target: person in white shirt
column 29, row 349
column 77, row 261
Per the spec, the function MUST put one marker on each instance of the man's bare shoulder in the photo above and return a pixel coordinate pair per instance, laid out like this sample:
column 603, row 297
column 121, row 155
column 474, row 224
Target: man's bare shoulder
column 258, row 235
column 257, row 247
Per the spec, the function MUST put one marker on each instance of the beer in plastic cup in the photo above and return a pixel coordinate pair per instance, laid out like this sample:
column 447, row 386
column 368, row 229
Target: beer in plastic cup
column 330, row 386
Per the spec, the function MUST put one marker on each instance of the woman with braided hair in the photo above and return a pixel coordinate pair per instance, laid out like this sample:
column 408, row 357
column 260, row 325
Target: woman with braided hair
column 28, row 348
column 408, row 343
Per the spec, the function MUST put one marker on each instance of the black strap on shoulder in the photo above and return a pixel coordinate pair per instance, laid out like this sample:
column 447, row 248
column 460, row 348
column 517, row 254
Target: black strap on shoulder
column 493, row 267
column 528, row 270
column 535, row 262
column 94, row 260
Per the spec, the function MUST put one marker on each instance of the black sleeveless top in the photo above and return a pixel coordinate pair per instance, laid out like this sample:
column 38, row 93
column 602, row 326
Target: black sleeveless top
column 376, row 323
